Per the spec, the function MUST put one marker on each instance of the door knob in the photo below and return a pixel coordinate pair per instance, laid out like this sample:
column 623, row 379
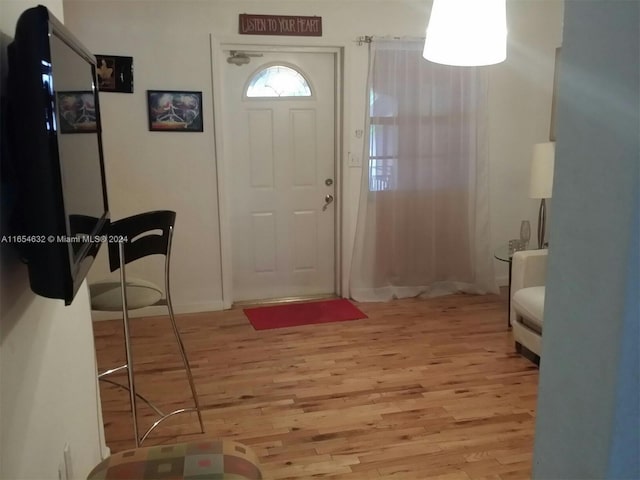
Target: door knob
column 327, row 200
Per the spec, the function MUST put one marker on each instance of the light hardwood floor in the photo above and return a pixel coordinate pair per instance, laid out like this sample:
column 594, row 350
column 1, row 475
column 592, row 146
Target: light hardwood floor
column 421, row 389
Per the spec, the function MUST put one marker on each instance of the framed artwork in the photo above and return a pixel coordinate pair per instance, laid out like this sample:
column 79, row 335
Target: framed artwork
column 115, row 74
column 77, row 112
column 554, row 97
column 174, row 111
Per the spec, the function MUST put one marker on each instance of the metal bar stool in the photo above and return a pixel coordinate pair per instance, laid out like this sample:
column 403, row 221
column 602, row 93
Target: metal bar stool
column 140, row 237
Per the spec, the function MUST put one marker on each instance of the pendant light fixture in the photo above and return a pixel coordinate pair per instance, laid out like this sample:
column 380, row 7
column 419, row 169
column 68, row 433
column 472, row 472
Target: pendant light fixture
column 467, row 33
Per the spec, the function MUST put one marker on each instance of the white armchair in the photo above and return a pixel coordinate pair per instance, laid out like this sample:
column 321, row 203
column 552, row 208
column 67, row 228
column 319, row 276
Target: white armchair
column 529, row 271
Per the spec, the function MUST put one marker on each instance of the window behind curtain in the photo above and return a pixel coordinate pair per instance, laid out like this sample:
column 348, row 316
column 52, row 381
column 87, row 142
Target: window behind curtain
column 423, row 217
column 418, row 111
column 383, row 142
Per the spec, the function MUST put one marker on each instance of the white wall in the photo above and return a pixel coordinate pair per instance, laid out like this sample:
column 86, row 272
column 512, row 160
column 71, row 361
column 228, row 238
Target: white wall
column 519, row 114
column 588, row 416
column 170, row 45
column 48, row 391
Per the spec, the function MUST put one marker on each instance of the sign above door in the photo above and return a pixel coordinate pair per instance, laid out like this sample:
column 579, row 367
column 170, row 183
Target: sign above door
column 292, row 25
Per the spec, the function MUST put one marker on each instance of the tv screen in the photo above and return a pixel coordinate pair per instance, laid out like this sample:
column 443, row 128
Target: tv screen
column 78, row 141
column 56, row 150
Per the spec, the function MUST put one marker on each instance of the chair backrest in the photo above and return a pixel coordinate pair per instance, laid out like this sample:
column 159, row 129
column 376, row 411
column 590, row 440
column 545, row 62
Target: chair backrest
column 141, row 238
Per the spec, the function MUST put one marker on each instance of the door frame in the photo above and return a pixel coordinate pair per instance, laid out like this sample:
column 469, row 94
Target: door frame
column 222, row 154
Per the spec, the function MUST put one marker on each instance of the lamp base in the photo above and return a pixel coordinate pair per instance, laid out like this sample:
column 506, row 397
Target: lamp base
column 542, row 220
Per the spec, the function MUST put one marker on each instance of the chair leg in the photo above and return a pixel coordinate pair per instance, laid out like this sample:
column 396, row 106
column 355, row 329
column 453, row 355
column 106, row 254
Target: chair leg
column 127, row 345
column 176, row 332
column 132, row 386
column 185, row 361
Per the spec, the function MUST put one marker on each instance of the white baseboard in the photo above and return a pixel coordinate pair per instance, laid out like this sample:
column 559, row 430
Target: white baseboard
column 160, row 310
column 215, row 306
column 106, row 452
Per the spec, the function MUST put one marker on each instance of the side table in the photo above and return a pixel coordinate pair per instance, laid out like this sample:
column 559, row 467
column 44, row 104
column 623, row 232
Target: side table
column 503, row 254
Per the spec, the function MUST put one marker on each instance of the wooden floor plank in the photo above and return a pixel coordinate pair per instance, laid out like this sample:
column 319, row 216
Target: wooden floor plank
column 421, row 389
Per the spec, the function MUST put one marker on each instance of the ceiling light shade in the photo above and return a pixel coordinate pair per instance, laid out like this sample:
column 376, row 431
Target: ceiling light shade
column 467, row 33
column 541, row 180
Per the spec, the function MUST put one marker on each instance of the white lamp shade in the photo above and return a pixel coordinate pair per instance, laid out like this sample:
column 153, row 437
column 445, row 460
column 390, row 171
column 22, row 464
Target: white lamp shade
column 542, row 170
column 467, row 32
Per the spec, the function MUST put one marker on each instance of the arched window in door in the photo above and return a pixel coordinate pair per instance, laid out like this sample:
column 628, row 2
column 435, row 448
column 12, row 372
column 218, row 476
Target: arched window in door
column 278, row 81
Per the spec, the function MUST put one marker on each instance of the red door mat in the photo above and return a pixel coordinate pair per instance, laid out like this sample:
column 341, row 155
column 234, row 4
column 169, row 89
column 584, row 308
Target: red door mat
column 294, row 314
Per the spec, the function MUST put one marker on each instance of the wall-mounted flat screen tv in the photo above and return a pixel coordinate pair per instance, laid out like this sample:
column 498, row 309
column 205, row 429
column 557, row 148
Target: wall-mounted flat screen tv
column 55, row 153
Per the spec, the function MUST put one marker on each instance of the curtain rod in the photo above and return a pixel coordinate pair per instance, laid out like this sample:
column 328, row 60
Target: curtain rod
column 369, row 38
column 363, row 39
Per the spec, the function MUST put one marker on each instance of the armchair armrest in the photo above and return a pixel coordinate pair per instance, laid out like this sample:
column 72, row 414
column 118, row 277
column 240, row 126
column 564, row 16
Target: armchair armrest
column 528, row 269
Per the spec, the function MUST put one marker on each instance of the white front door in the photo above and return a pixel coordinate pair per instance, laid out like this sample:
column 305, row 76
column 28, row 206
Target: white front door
column 281, row 163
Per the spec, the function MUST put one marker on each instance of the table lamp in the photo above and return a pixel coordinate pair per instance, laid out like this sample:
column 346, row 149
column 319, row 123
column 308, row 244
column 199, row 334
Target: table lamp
column 541, row 182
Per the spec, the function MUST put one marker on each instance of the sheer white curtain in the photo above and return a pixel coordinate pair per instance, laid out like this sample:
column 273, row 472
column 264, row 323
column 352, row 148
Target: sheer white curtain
column 423, row 217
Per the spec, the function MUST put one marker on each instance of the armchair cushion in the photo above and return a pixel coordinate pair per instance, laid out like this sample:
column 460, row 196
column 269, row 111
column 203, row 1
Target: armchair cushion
column 529, row 270
column 529, row 303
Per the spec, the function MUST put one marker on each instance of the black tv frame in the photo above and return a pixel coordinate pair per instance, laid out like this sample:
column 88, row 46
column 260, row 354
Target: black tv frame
column 40, row 222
